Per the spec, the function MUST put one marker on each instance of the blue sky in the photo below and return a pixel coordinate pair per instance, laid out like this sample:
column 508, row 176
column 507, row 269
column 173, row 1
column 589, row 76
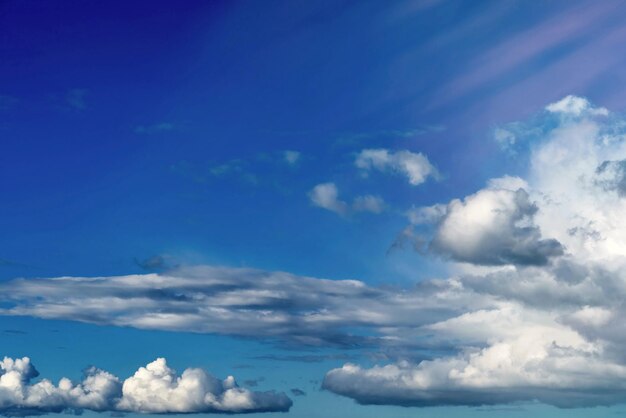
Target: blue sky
column 224, row 168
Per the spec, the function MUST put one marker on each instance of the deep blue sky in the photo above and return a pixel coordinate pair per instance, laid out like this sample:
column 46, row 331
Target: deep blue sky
column 136, row 136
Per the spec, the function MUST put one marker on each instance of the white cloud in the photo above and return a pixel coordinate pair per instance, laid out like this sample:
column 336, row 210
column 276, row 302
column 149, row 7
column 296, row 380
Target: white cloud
column 152, row 389
column 415, row 166
column 493, row 227
column 156, row 388
column 541, row 326
column 427, row 214
column 575, row 106
column 326, row 196
column 551, row 329
column 541, row 363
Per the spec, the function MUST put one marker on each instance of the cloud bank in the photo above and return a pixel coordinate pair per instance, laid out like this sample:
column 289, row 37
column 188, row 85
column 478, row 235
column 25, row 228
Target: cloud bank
column 155, row 388
column 552, row 333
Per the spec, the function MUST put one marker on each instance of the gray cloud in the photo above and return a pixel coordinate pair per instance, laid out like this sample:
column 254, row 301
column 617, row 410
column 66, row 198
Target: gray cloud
column 234, row 301
column 155, row 262
column 520, row 321
column 611, row 175
column 298, row 392
column 155, row 388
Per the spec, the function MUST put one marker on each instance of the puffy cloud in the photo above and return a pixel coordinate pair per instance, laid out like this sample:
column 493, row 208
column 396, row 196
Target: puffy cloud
column 575, row 106
column 326, row 196
column 493, row 227
column 157, row 389
column 152, row 389
column 98, row 390
column 532, row 367
column 415, row 166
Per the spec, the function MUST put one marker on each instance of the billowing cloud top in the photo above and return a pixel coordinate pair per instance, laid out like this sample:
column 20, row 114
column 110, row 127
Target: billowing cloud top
column 155, row 388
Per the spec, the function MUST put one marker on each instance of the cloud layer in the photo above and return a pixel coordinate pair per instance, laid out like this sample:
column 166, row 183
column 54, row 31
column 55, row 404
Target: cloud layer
column 155, row 388
column 235, row 301
column 532, row 311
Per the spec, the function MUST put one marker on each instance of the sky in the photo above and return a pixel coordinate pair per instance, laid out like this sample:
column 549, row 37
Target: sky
column 312, row 209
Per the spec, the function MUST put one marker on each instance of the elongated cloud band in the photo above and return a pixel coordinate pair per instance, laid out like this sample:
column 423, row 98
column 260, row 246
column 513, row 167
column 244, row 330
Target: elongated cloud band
column 155, row 388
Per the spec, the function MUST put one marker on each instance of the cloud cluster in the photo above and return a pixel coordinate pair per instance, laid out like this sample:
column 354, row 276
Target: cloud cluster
column 155, row 388
column 533, row 312
column 414, row 166
column 552, row 332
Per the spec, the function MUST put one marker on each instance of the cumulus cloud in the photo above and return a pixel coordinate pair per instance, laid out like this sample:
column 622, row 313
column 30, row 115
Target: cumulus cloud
column 575, row 106
column 553, row 332
column 155, row 388
column 414, row 166
column 493, row 227
column 326, row 196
